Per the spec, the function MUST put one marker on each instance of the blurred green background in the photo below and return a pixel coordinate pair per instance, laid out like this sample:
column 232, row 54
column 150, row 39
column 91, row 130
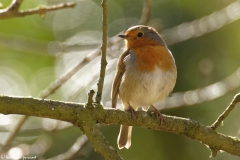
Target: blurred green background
column 204, row 37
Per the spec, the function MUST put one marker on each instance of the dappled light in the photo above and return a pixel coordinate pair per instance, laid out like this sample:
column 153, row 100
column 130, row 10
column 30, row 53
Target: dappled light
column 57, row 56
column 15, row 153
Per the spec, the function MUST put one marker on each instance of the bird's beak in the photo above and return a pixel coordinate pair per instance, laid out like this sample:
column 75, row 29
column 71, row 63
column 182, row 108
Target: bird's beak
column 123, row 36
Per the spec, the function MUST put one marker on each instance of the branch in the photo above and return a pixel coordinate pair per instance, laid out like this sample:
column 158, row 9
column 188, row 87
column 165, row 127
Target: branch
column 99, row 142
column 90, row 99
column 145, row 12
column 103, row 51
column 204, row 94
column 204, row 25
column 13, row 10
column 74, row 150
column 83, row 117
column 231, row 106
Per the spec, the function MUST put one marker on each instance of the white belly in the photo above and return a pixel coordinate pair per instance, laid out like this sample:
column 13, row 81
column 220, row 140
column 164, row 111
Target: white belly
column 141, row 89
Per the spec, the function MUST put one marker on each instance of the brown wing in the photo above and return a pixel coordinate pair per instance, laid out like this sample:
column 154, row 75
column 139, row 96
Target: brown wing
column 118, row 78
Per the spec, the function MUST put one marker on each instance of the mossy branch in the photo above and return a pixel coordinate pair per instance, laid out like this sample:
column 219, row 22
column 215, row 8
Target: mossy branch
column 87, row 119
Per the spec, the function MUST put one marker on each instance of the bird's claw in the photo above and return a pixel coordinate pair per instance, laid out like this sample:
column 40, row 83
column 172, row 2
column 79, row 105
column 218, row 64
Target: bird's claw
column 158, row 115
column 133, row 112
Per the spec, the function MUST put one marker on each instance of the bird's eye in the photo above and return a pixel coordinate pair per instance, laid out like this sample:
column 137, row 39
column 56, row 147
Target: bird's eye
column 140, row 34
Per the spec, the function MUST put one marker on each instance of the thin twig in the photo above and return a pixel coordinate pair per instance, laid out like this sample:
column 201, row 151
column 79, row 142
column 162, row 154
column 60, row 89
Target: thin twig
column 90, row 99
column 13, row 10
column 44, row 9
column 231, row 106
column 103, row 50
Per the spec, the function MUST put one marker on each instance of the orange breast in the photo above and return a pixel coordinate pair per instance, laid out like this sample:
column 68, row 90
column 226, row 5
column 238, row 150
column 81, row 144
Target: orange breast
column 151, row 56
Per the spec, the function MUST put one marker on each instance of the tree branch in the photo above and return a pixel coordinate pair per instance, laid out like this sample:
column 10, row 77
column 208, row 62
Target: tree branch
column 231, row 106
column 193, row 29
column 145, row 12
column 200, row 95
column 83, row 117
column 13, row 10
column 103, row 50
column 99, row 142
column 74, row 150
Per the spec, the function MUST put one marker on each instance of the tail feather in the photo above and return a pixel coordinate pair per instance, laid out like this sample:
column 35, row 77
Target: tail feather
column 124, row 137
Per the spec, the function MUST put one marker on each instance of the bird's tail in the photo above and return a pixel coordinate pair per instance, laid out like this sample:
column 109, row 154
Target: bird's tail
column 124, row 137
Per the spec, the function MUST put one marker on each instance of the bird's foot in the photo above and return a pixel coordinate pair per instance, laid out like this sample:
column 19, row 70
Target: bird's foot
column 133, row 112
column 158, row 115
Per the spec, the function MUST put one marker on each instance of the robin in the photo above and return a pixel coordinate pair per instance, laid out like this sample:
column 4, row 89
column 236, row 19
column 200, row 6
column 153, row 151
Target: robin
column 145, row 74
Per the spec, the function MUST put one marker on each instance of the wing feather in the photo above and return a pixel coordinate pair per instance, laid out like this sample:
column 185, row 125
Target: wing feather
column 120, row 70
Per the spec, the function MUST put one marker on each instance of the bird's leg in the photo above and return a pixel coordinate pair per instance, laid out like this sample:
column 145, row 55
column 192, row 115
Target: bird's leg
column 131, row 110
column 158, row 114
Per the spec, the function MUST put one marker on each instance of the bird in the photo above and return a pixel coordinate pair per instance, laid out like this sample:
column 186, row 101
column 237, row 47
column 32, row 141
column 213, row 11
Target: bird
column 145, row 74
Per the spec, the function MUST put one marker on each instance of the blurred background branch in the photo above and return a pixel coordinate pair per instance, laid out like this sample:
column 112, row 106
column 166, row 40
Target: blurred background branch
column 200, row 95
column 206, row 24
column 146, row 12
column 74, row 151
